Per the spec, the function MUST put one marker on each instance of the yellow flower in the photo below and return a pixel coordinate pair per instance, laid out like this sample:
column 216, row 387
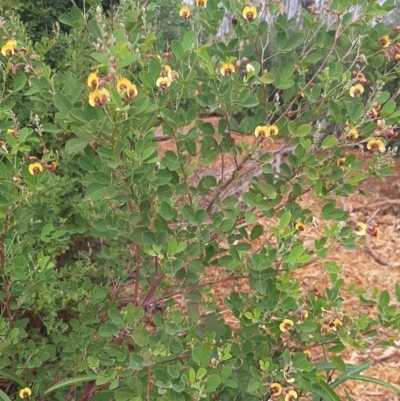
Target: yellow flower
column 376, row 145
column 132, row 91
column 25, row 392
column 291, row 395
column 340, row 162
column 286, row 325
column 276, row 389
column 173, row 76
column 375, row 111
column 352, row 134
column 261, row 131
column 93, row 81
column 166, row 69
column 249, row 13
column 99, row 97
column 227, row 69
column 384, row 41
column 273, row 130
column 201, row 3
column 123, row 84
column 300, row 227
column 8, row 49
column 163, row 83
column 184, row 12
column 118, row 368
column 360, row 76
column 35, row 168
column 307, row 353
column 361, row 229
column 356, row 90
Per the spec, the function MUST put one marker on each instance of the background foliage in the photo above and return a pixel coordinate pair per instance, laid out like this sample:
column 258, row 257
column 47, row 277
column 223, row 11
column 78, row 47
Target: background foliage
column 95, row 251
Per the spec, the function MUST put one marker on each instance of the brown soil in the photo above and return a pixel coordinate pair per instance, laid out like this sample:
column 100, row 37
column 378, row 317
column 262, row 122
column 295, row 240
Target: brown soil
column 373, row 266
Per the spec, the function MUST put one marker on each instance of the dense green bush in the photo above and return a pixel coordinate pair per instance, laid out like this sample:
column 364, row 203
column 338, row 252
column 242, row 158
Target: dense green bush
column 102, row 232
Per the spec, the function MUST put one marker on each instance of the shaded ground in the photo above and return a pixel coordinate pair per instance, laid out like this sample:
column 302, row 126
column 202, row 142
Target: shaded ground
column 374, row 266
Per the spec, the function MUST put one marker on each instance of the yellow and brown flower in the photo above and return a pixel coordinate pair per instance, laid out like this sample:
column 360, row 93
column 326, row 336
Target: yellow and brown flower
column 184, row 12
column 163, row 83
column 352, row 134
column 291, row 396
column 384, row 41
column 123, row 85
column 261, row 130
column 227, row 69
column 93, row 81
column 275, row 389
column 165, row 70
column 286, row 325
column 35, row 168
column 132, row 91
column 307, row 353
column 375, row 111
column 249, row 13
column 99, row 97
column 273, row 130
column 356, row 90
column 173, row 75
column 341, row 163
column 300, row 227
column 201, row 3
column 25, row 392
column 359, row 76
column 376, row 145
column 8, row 49
column 361, row 229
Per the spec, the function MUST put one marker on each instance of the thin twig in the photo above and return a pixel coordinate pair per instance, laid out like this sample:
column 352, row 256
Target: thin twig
column 136, row 293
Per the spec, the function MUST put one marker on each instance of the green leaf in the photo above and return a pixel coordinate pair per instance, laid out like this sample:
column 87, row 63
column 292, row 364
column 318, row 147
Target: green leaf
column 189, row 40
column 284, row 221
column 387, row 109
column 127, row 61
column 256, row 232
column 369, row 379
column 96, row 191
column 13, row 377
column 329, row 142
column 295, row 253
column 140, row 337
column 65, row 19
column 331, row 395
column 267, row 78
column 76, row 145
column 19, row 83
column 339, row 364
column 46, row 230
column 4, row 397
column 303, row 130
column 384, row 298
column 100, row 58
column 124, row 394
column 212, row 383
column 334, row 109
column 70, row 382
column 177, row 49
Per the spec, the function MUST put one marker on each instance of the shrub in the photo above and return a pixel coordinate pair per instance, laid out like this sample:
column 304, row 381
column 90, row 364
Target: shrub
column 102, row 231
